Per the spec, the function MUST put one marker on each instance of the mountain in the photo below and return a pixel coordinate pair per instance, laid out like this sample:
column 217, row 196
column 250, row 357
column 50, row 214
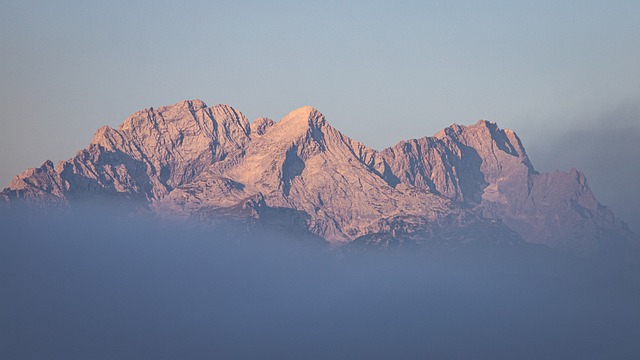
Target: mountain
column 197, row 163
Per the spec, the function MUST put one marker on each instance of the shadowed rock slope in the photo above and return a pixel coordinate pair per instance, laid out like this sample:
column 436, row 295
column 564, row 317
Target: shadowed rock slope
column 209, row 164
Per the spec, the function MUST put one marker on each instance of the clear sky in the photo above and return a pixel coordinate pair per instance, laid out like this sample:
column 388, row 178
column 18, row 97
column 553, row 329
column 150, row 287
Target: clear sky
column 379, row 71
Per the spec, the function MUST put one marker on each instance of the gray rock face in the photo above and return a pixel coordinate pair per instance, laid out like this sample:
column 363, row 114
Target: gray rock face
column 304, row 164
column 39, row 188
column 485, row 168
column 153, row 152
column 200, row 163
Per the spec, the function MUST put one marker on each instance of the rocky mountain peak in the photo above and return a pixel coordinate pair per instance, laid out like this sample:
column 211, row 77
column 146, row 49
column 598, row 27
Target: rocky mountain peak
column 192, row 161
column 194, row 104
column 303, row 117
column 40, row 187
column 304, row 130
column 260, row 125
column 449, row 132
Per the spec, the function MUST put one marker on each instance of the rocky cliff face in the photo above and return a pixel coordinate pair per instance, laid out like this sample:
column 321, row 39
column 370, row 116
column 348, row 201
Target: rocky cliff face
column 194, row 162
column 485, row 168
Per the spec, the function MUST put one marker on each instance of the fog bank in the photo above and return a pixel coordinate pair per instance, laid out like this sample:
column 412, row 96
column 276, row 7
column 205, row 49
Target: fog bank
column 107, row 287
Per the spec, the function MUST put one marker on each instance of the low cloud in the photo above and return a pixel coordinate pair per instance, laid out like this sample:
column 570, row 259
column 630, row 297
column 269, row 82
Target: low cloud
column 99, row 287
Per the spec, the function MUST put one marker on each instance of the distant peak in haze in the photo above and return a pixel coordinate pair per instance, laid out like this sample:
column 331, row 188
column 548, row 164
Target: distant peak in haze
column 192, row 162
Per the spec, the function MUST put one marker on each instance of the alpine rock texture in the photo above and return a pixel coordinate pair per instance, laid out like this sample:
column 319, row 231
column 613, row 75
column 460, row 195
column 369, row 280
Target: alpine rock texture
column 206, row 164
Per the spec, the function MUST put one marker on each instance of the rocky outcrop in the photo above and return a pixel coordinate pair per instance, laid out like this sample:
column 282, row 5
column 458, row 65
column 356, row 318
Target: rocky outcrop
column 485, row 168
column 38, row 188
column 261, row 125
column 303, row 163
column 199, row 163
column 465, row 164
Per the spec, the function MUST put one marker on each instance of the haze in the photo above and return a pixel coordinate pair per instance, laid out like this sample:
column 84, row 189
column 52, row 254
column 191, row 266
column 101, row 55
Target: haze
column 100, row 286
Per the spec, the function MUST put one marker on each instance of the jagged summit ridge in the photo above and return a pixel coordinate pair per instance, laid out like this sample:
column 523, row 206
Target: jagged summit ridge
column 261, row 125
column 189, row 161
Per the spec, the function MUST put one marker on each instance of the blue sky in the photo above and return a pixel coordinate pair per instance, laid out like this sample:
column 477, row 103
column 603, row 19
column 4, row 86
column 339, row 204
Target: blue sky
column 379, row 71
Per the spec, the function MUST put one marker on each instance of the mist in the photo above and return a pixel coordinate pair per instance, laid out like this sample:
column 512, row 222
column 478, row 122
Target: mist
column 102, row 286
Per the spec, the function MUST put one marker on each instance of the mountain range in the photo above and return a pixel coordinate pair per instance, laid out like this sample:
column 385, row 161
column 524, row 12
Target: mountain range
column 195, row 163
